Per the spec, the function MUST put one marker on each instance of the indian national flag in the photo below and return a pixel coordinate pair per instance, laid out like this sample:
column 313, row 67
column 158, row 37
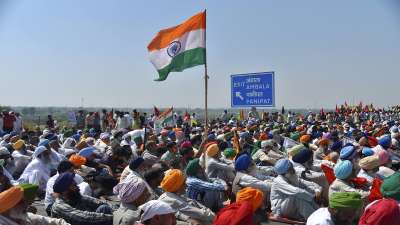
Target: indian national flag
column 177, row 48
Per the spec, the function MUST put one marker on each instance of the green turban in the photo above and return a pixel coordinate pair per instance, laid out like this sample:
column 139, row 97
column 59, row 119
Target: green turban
column 192, row 167
column 295, row 136
column 390, row 187
column 229, row 153
column 30, row 191
column 341, row 200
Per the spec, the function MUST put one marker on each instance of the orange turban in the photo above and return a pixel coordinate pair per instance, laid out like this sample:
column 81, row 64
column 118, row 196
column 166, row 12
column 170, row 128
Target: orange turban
column 324, row 141
column 212, row 150
column 173, row 180
column 305, row 138
column 252, row 195
column 10, row 198
column 77, row 160
column 263, row 137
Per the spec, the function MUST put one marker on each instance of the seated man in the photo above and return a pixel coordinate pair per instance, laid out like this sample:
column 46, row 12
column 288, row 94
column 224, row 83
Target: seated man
column 78, row 209
column 344, row 173
column 292, row 196
column 343, row 209
column 132, row 193
column 39, row 169
column 369, row 167
column 215, row 168
column 248, row 175
column 304, row 166
column 22, row 156
column 63, row 167
column 188, row 210
column 156, row 212
column 206, row 191
column 268, row 154
column 13, row 209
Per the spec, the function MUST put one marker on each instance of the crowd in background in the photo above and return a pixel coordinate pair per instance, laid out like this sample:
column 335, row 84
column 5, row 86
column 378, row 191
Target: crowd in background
column 114, row 168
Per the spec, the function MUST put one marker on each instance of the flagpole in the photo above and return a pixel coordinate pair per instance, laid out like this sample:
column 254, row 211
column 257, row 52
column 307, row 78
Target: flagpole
column 206, row 81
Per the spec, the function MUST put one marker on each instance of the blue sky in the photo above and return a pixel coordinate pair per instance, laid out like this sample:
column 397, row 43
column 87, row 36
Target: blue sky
column 53, row 53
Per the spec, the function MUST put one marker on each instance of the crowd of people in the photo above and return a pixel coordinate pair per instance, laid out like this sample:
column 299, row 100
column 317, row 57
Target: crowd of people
column 113, row 168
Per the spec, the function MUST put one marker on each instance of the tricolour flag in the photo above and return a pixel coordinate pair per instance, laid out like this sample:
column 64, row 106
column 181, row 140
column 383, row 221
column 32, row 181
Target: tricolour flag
column 177, row 48
column 165, row 119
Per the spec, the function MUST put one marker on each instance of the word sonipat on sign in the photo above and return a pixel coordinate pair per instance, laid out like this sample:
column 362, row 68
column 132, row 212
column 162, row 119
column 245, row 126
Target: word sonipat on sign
column 253, row 89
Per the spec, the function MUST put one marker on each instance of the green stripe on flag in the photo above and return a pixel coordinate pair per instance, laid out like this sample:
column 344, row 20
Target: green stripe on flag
column 184, row 60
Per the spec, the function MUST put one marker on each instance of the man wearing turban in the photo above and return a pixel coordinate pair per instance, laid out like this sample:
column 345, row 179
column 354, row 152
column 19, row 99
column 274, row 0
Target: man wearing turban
column 292, row 196
column 248, row 175
column 343, row 208
column 303, row 164
column 63, row 167
column 13, row 207
column 39, row 169
column 132, row 193
column 344, row 173
column 199, row 187
column 156, row 212
column 268, row 154
column 215, row 168
column 369, row 167
column 75, row 208
column 189, row 210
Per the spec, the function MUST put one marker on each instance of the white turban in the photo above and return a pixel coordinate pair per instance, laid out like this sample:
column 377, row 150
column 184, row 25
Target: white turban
column 153, row 208
column 4, row 151
column 39, row 150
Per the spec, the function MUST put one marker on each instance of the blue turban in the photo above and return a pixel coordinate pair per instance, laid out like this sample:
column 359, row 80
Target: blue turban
column 367, row 151
column 347, row 153
column 385, row 142
column 134, row 164
column 44, row 142
column 63, row 182
column 211, row 136
column 242, row 162
column 244, row 135
column 336, row 146
column 171, row 134
column 303, row 156
column 282, row 166
column 76, row 137
column 343, row 169
column 86, row 152
column 92, row 131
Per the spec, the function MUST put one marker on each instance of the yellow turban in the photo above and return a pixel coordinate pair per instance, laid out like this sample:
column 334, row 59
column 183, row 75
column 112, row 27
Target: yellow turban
column 212, row 150
column 18, row 144
column 252, row 195
column 173, row 180
column 369, row 162
column 10, row 198
column 77, row 160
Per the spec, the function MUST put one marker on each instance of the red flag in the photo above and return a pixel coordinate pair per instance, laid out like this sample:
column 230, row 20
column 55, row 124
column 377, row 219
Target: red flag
column 322, row 112
column 156, row 111
column 337, row 109
column 186, row 117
